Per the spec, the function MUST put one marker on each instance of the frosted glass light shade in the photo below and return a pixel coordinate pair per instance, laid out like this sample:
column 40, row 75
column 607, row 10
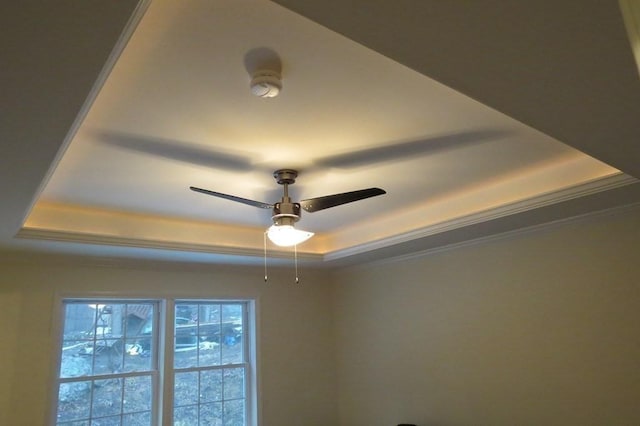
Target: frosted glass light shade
column 287, row 235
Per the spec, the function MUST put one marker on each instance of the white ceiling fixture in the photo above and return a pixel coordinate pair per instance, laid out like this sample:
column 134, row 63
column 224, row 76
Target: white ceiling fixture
column 266, row 84
column 265, row 68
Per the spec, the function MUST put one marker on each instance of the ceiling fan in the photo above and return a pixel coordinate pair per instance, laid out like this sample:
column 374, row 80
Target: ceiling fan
column 286, row 212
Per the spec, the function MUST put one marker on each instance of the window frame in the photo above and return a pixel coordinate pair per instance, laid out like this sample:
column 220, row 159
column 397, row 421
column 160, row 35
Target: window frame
column 246, row 350
column 164, row 322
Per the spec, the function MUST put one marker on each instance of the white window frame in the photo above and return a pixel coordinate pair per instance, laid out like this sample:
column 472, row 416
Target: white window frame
column 162, row 379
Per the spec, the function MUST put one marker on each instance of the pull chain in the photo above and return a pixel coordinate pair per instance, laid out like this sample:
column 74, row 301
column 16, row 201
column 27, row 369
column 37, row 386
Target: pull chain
column 265, row 256
column 295, row 259
column 295, row 255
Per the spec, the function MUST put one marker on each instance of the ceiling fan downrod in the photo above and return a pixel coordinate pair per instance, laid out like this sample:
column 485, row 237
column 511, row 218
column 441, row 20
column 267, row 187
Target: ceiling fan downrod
column 285, row 212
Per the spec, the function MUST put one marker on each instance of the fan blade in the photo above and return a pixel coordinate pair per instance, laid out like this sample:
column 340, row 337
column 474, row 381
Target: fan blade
column 233, row 198
column 320, row 203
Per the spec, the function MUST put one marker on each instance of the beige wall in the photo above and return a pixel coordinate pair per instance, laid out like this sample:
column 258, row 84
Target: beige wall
column 539, row 329
column 542, row 328
column 296, row 343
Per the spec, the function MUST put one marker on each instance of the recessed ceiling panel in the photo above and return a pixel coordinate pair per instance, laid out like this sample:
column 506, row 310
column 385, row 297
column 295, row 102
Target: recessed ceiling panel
column 176, row 111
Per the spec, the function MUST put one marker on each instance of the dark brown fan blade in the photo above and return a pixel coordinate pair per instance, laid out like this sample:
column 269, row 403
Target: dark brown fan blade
column 320, row 203
column 233, row 198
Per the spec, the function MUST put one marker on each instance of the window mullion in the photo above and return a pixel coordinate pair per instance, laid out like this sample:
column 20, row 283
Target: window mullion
column 248, row 361
column 106, row 376
column 212, row 367
column 166, row 361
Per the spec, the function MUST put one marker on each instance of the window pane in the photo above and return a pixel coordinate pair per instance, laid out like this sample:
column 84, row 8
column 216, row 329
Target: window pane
column 135, row 357
column 185, row 391
column 211, row 386
column 186, row 312
column 184, row 358
column 80, row 423
column 106, row 421
column 233, row 382
column 186, row 335
column 138, row 320
column 74, row 401
column 208, row 353
column 72, row 363
column 209, row 334
column 231, row 334
column 79, row 320
column 107, row 356
column 107, row 397
column 234, row 413
column 211, row 414
column 185, row 416
column 138, row 393
column 137, row 419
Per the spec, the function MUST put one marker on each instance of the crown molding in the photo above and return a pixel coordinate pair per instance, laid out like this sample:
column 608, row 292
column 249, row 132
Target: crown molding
column 509, row 234
column 589, row 188
column 108, row 240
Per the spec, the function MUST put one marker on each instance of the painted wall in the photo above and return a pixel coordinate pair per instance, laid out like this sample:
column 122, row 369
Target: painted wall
column 542, row 328
column 536, row 329
column 296, row 334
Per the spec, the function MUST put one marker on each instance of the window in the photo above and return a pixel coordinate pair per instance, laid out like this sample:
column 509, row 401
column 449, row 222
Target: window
column 114, row 364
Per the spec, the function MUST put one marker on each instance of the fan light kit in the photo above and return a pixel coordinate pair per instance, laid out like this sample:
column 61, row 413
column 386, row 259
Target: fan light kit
column 287, row 235
column 286, row 213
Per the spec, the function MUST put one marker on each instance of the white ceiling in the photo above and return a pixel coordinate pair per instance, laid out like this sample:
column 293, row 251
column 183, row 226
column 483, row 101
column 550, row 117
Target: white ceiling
column 171, row 107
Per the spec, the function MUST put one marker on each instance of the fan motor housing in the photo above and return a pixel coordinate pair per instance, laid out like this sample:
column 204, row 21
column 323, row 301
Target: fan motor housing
column 286, row 213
